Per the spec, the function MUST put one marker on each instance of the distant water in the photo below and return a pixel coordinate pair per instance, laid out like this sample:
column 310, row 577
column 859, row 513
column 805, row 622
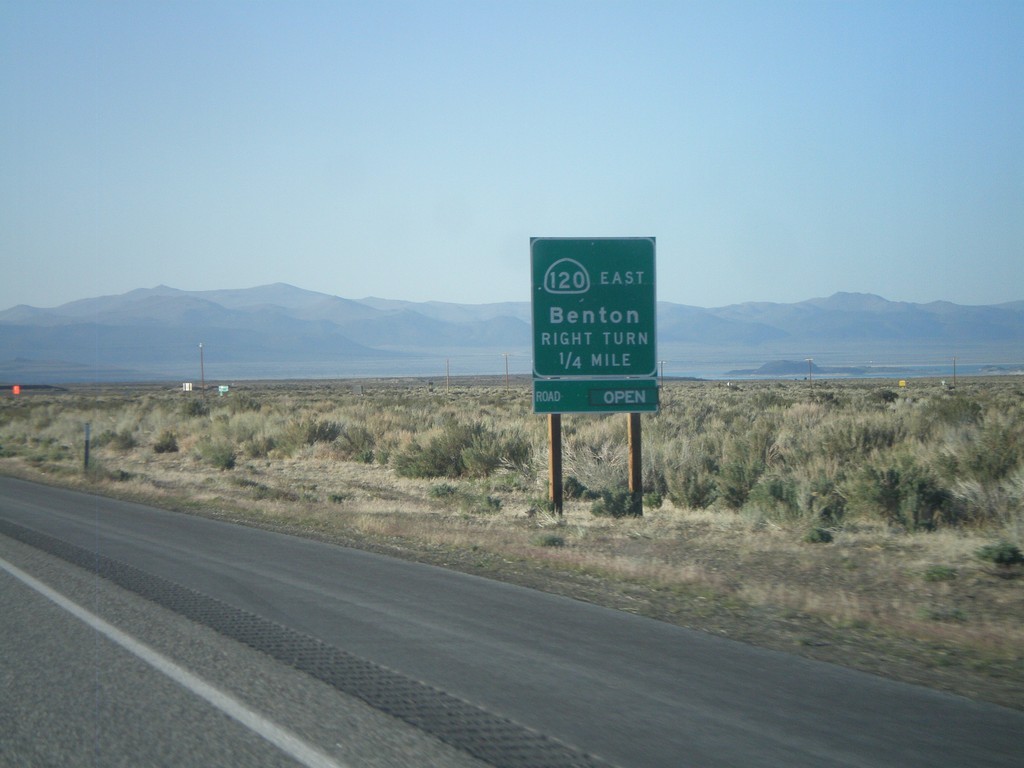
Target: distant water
column 709, row 372
column 674, row 362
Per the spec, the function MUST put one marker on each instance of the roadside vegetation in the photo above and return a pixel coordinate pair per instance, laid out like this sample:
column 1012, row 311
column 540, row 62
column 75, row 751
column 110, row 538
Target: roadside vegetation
column 853, row 521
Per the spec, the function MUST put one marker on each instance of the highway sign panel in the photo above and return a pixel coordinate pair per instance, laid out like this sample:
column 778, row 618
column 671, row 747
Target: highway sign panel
column 593, row 307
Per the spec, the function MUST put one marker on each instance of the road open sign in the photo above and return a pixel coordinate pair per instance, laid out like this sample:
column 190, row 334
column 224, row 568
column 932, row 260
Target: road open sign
column 593, row 307
column 595, row 395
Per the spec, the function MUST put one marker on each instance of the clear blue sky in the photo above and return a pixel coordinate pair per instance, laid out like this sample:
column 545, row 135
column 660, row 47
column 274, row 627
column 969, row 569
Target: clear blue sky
column 778, row 151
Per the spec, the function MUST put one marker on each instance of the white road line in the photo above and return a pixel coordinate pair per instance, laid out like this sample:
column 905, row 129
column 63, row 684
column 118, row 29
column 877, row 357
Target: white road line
column 280, row 737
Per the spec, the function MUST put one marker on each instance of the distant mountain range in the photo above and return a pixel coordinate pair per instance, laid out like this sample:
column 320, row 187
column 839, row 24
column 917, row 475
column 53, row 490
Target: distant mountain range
column 280, row 331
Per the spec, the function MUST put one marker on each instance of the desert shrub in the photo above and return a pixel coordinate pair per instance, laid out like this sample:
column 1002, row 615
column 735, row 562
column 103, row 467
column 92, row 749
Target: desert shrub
column 194, row 407
column 460, row 450
column 47, row 450
column 775, row 497
column 13, row 444
column 443, row 490
column 826, row 396
column 818, row 536
column 952, row 411
column 984, row 466
column 550, row 540
column 356, row 443
column 487, row 451
column 441, row 456
column 1001, row 553
column 123, row 440
column 736, row 480
column 302, row 432
column 886, row 396
column 690, row 477
column 654, row 480
column 695, row 416
column 936, row 573
column 517, row 450
column 219, row 454
column 855, row 435
column 258, row 446
column 925, row 503
column 902, row 492
column 822, row 499
column 597, row 454
column 693, row 488
column 995, row 451
column 617, row 503
column 873, row 492
column 992, row 502
column 572, row 488
column 681, row 466
column 263, row 491
column 768, row 398
column 653, row 500
column 746, row 454
column 244, row 404
column 540, row 506
column 167, row 442
column 799, row 436
column 317, row 431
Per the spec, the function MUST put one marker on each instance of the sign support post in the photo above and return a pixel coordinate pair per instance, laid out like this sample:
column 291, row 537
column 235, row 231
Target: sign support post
column 636, row 475
column 555, row 462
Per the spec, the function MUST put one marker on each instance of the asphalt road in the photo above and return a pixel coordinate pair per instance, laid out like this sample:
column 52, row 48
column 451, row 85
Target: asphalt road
column 631, row 691
column 74, row 696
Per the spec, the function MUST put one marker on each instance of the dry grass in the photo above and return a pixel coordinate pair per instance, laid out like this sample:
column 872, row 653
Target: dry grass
column 899, row 590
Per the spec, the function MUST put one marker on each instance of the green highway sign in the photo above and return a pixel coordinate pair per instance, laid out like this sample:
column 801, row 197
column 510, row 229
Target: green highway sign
column 595, row 396
column 593, row 307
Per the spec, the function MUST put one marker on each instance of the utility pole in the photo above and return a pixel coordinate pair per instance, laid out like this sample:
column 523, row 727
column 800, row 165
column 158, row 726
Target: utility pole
column 202, row 370
column 810, row 371
column 505, row 355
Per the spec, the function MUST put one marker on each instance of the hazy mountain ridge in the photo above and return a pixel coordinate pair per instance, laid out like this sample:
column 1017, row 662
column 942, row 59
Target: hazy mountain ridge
column 280, row 330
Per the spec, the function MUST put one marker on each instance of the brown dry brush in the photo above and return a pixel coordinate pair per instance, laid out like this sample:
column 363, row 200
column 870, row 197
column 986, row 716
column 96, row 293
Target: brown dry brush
column 784, row 453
